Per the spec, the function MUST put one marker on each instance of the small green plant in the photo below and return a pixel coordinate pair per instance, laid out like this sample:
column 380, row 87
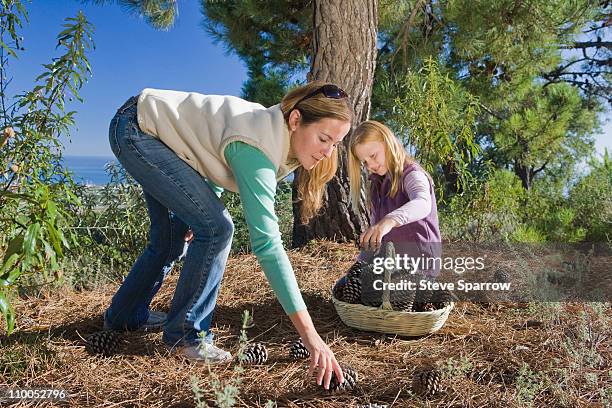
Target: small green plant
column 528, row 385
column 226, row 392
column 457, row 368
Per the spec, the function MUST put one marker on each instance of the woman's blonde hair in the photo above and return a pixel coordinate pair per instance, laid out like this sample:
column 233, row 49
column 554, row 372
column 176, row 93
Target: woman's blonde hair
column 311, row 183
column 395, row 156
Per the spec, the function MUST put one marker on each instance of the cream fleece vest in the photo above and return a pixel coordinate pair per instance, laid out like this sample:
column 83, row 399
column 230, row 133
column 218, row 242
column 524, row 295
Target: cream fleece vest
column 198, row 128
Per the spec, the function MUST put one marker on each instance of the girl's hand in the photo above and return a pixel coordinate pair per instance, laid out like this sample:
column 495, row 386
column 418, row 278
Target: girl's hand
column 371, row 239
column 321, row 357
column 189, row 236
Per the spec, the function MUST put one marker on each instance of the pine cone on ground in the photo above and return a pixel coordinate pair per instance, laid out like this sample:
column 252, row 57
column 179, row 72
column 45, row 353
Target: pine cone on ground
column 298, row 351
column 427, row 381
column 104, row 342
column 350, row 380
column 255, row 353
column 501, row 276
column 424, row 307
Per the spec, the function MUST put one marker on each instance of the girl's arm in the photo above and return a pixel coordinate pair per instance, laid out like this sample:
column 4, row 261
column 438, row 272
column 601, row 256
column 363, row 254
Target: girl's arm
column 417, row 187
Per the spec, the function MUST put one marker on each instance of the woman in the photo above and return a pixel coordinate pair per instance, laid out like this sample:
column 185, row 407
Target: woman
column 184, row 149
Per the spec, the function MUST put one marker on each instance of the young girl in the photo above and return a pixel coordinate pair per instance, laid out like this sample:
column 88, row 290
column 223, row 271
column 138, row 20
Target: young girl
column 401, row 196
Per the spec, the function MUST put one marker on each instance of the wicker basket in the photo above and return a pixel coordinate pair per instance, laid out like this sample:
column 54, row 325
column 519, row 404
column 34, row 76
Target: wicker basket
column 384, row 319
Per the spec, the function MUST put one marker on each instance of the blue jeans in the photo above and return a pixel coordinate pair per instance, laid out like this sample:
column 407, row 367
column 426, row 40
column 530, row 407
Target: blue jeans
column 177, row 197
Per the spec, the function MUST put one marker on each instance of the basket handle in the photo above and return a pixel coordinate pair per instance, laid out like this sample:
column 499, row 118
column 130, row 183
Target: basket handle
column 389, row 252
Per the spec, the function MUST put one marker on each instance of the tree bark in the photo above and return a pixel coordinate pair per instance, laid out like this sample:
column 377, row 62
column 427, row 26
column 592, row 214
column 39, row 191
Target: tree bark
column 344, row 53
column 525, row 173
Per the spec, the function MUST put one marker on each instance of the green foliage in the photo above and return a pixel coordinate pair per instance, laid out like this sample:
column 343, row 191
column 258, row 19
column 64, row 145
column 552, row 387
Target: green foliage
column 112, row 223
column 457, row 368
column 591, row 201
column 528, row 385
column 35, row 190
column 160, row 14
column 499, row 208
column 264, row 85
column 274, row 32
column 434, row 118
column 487, row 212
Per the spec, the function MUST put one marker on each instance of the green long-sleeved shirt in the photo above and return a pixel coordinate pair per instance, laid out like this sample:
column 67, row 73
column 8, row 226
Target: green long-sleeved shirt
column 256, row 179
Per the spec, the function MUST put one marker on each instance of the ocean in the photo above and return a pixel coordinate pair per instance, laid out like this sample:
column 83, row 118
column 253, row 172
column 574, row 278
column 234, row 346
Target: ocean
column 89, row 169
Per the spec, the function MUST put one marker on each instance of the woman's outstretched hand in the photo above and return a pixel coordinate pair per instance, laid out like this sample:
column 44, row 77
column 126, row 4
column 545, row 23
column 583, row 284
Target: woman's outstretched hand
column 321, row 356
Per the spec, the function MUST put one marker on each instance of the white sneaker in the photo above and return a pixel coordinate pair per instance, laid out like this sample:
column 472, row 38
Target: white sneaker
column 205, row 352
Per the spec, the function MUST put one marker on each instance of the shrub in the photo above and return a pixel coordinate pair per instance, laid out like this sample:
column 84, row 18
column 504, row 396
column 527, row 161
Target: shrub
column 34, row 187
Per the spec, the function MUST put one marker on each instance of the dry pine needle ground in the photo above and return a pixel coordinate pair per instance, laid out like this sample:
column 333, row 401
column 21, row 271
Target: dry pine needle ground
column 490, row 356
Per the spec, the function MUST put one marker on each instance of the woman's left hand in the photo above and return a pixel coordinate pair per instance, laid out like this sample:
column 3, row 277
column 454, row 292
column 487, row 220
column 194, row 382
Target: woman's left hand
column 372, row 237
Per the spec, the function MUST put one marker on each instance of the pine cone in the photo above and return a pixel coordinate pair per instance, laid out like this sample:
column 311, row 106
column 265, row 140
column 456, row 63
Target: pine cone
column 401, row 305
column 426, row 382
column 423, row 296
column 424, row 307
column 350, row 380
column 351, row 293
column 104, row 342
column 298, row 351
column 501, row 276
column 255, row 353
column 339, row 290
column 355, row 269
column 442, row 298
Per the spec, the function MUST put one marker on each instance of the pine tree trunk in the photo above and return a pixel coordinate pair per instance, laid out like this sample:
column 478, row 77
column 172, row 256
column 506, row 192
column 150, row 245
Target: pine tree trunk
column 344, row 53
column 525, row 173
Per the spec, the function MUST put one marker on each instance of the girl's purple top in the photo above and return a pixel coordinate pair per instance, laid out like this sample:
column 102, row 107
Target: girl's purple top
column 423, row 230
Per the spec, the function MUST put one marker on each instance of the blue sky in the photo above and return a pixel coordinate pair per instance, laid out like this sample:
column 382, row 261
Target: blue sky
column 130, row 56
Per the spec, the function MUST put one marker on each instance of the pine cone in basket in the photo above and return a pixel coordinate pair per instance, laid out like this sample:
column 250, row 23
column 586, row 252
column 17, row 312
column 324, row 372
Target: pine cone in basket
column 402, row 299
column 442, row 298
column 338, row 288
column 401, row 306
column 422, row 301
column 369, row 295
column 351, row 293
column 355, row 269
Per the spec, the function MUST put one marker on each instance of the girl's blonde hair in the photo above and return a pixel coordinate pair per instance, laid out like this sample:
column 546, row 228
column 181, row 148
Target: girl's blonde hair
column 311, row 183
column 395, row 156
